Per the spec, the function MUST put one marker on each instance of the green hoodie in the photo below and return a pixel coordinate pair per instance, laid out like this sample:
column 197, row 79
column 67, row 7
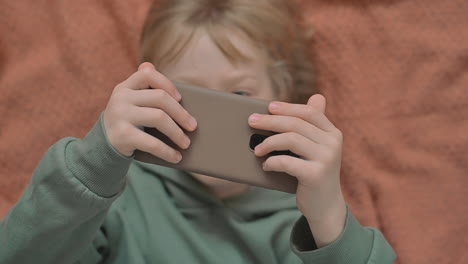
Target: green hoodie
column 86, row 203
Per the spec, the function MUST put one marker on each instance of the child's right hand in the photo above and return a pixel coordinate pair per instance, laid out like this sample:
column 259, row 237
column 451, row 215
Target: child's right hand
column 147, row 99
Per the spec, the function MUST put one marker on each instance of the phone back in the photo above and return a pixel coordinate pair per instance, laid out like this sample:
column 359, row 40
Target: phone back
column 222, row 144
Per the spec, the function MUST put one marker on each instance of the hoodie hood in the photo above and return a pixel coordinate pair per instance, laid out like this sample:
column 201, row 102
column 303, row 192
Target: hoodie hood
column 189, row 194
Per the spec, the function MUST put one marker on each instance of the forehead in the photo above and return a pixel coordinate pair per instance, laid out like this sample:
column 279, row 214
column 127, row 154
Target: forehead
column 202, row 55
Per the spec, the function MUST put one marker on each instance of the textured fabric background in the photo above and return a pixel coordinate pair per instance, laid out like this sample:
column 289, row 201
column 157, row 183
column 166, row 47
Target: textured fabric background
column 395, row 74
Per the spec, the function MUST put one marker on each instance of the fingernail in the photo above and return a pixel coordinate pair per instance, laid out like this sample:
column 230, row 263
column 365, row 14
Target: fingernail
column 257, row 149
column 178, row 157
column 254, row 118
column 186, row 141
column 178, row 96
column 264, row 166
column 193, row 123
column 274, row 106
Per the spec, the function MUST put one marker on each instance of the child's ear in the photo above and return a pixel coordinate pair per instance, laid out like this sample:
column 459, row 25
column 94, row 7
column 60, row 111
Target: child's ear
column 318, row 102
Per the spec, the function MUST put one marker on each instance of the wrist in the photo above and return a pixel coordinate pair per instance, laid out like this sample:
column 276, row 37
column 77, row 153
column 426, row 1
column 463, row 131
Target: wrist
column 330, row 226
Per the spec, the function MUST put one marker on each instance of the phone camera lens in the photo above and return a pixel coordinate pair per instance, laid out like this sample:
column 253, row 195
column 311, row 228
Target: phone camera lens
column 255, row 140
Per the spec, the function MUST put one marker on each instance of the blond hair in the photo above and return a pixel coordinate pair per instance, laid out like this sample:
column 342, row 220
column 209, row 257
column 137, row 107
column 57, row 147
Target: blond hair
column 271, row 25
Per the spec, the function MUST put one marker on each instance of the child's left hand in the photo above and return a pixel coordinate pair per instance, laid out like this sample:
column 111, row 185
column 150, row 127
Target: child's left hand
column 306, row 131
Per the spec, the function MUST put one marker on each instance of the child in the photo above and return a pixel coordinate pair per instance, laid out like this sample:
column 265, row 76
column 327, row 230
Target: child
column 90, row 202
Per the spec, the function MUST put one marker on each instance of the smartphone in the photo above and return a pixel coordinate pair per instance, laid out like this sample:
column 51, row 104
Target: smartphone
column 222, row 145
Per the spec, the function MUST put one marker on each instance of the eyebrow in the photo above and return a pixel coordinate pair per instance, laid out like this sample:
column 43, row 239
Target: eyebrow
column 241, row 77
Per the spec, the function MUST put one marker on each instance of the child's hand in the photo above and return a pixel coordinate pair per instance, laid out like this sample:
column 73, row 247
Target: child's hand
column 306, row 131
column 133, row 105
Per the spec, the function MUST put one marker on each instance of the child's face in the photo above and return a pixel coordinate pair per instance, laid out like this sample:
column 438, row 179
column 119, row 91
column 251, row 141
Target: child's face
column 203, row 64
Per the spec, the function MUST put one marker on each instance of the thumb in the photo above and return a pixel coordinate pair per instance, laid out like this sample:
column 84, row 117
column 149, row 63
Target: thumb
column 146, row 66
column 318, row 102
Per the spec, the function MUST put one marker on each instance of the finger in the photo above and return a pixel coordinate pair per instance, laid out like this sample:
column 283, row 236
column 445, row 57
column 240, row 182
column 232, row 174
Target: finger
column 284, row 124
column 290, row 165
column 318, row 102
column 156, row 147
column 146, row 65
column 157, row 98
column 150, row 78
column 305, row 112
column 294, row 142
column 157, row 118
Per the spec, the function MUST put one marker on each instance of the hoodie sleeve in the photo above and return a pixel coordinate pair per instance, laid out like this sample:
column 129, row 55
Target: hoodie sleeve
column 58, row 217
column 356, row 245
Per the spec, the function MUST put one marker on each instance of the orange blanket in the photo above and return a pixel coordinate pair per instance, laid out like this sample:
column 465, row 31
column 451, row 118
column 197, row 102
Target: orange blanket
column 395, row 74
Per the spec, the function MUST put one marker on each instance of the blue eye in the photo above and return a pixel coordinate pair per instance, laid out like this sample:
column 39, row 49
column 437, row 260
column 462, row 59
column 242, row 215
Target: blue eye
column 242, row 93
